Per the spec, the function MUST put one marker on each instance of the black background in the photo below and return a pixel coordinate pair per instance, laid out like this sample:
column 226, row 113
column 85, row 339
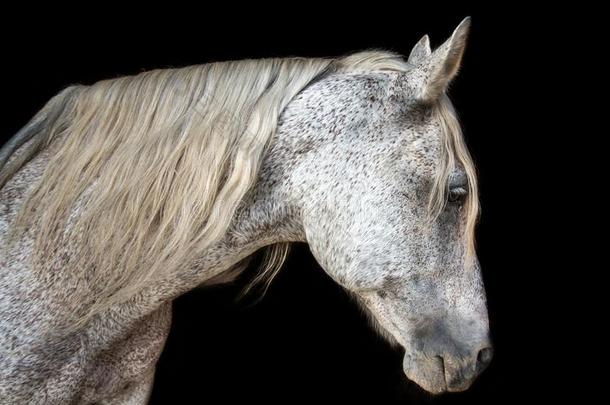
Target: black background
column 306, row 340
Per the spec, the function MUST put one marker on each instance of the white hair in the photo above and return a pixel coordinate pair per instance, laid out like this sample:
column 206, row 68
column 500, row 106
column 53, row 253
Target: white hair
column 156, row 165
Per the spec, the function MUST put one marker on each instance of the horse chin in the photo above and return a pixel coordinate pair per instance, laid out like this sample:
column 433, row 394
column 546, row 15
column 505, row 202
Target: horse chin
column 427, row 372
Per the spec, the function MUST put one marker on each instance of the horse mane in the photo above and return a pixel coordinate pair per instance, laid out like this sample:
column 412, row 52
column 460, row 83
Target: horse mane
column 157, row 164
column 454, row 153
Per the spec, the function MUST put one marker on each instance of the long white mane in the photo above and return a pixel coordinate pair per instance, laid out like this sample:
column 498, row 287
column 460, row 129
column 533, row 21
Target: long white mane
column 157, row 164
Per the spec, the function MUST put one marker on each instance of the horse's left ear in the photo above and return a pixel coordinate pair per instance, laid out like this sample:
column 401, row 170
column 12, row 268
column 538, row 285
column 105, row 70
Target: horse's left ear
column 439, row 68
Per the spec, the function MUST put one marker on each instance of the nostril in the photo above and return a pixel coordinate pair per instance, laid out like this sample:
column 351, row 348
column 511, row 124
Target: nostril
column 484, row 356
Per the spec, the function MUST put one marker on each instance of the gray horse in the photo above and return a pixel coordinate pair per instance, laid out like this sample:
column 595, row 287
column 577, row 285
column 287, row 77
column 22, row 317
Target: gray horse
column 120, row 196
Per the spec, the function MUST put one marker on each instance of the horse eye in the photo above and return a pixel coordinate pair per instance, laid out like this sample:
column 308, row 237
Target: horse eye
column 457, row 195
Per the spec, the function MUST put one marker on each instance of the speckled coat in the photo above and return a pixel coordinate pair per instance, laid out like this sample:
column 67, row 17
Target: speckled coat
column 349, row 172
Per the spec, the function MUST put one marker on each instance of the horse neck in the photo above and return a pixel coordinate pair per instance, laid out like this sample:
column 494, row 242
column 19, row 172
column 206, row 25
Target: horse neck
column 265, row 217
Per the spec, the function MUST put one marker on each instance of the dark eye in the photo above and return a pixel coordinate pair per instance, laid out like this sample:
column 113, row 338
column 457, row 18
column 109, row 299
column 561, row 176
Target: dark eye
column 457, row 195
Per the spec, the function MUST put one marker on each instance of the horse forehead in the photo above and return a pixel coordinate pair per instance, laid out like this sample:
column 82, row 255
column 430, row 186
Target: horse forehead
column 423, row 144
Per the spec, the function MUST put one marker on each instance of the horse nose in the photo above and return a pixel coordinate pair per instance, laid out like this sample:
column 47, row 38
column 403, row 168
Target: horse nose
column 461, row 371
column 484, row 358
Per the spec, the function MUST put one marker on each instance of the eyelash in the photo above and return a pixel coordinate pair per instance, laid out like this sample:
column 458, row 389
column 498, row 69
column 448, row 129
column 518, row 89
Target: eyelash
column 457, row 195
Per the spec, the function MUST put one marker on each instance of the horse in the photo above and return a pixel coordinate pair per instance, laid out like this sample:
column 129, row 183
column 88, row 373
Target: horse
column 118, row 197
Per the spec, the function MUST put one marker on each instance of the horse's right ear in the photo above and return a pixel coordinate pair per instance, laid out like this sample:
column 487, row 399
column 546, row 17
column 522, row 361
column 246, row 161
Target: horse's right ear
column 435, row 70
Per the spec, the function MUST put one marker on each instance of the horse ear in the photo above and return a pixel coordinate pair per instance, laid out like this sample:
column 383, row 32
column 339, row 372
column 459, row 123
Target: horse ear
column 420, row 52
column 440, row 67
